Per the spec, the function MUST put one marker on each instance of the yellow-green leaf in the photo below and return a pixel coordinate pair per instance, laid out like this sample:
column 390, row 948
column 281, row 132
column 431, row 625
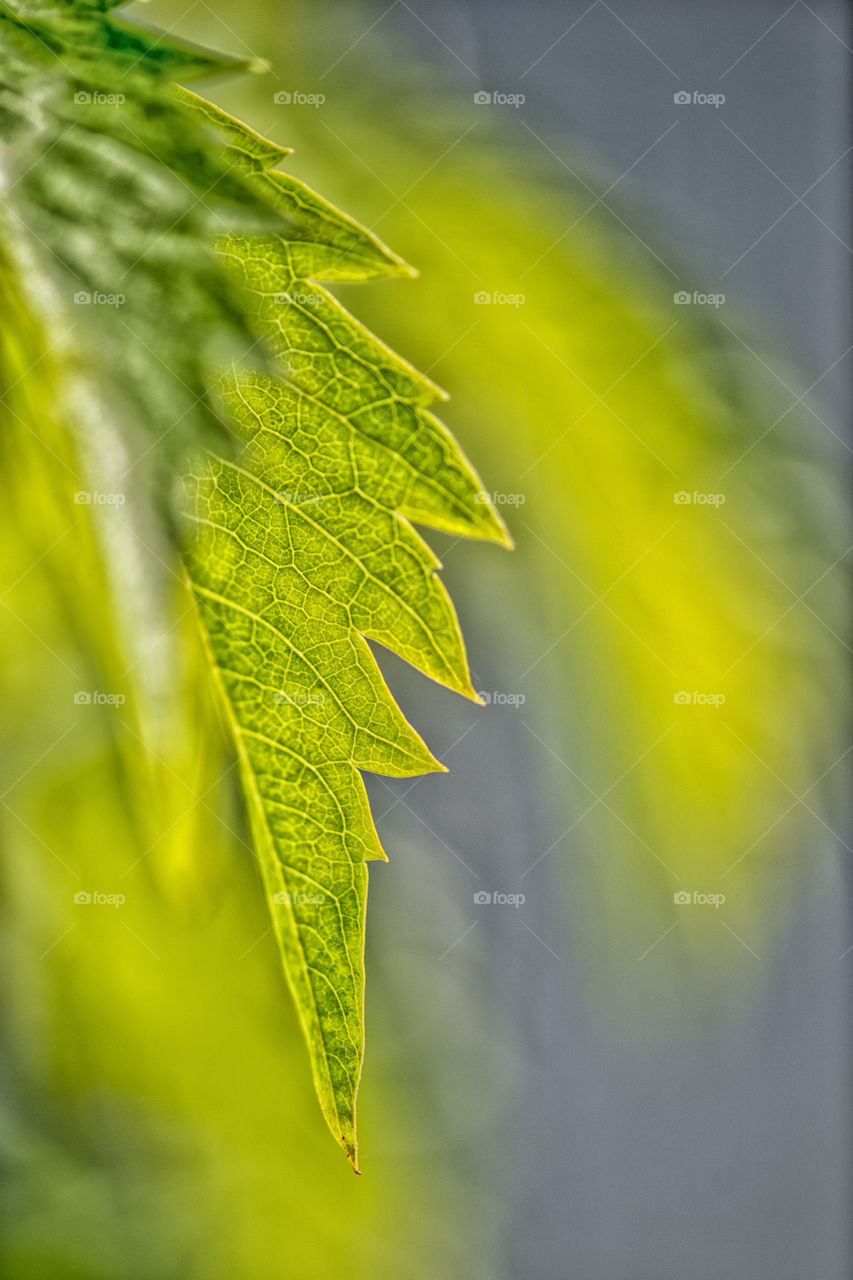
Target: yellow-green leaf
column 305, row 550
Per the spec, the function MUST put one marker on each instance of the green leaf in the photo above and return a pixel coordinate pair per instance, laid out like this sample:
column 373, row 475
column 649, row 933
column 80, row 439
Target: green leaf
column 305, row 551
column 117, row 182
